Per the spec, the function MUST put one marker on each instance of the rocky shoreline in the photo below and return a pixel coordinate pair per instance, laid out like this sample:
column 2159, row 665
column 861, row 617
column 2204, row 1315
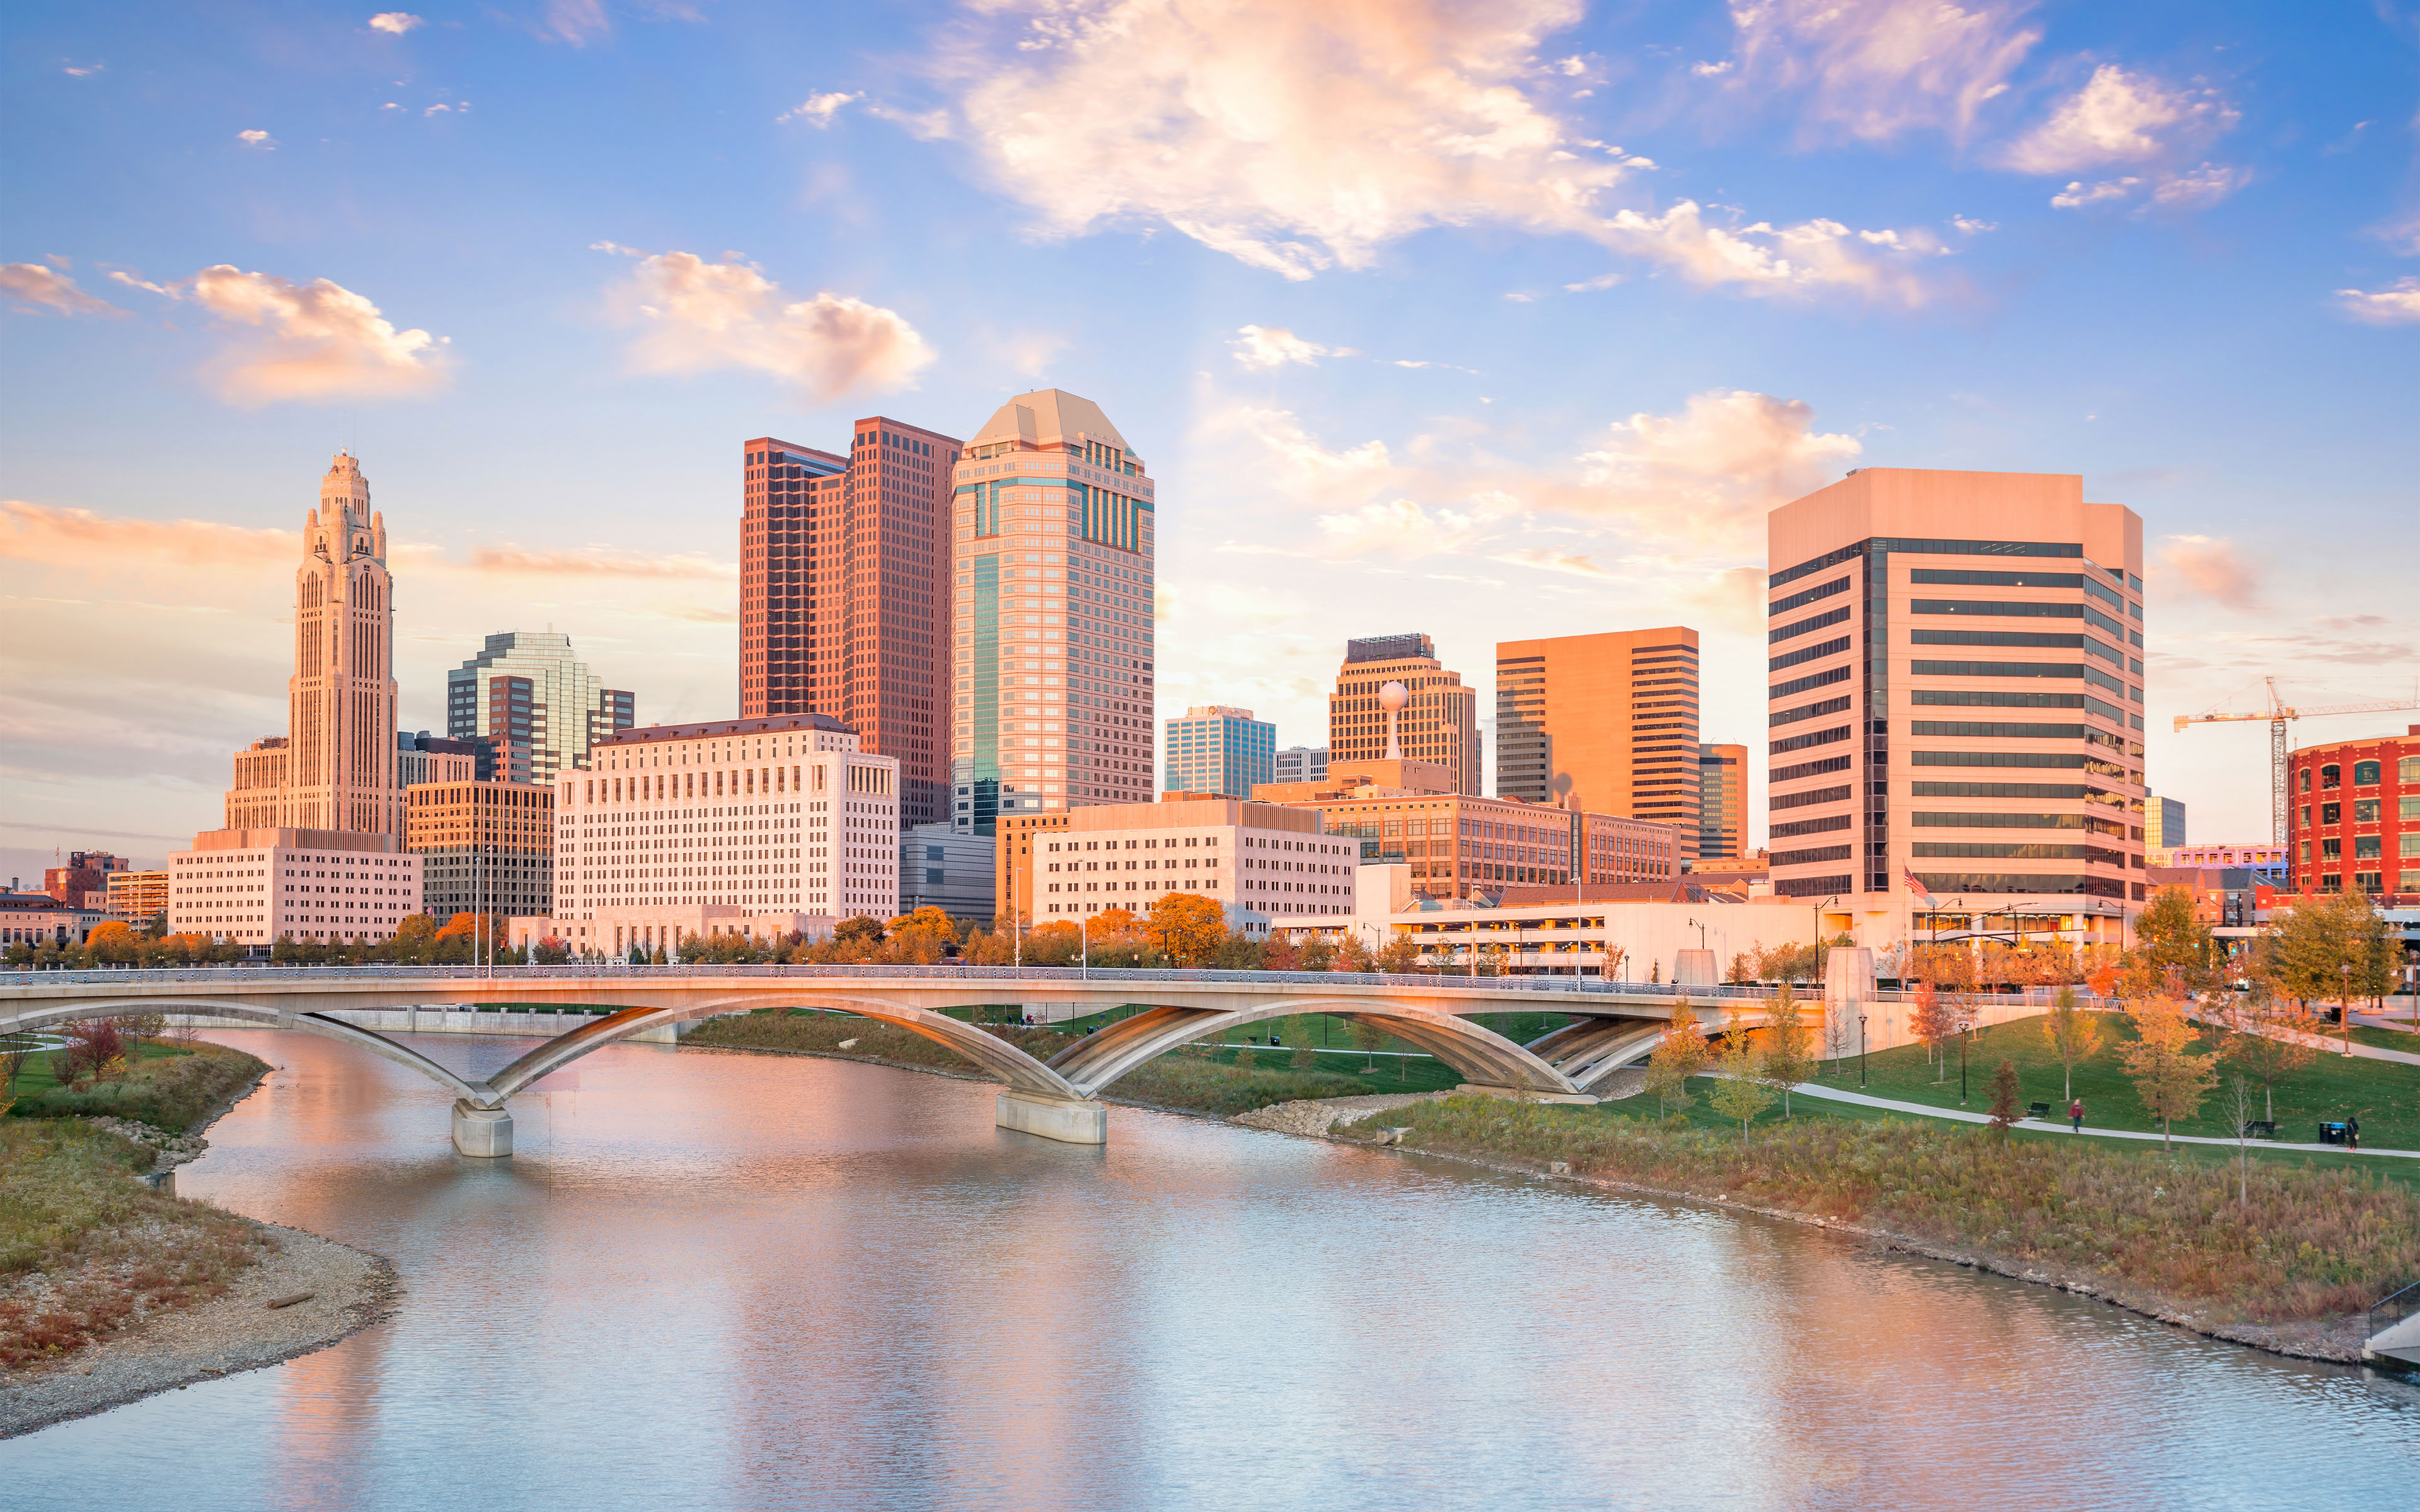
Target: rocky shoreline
column 309, row 1293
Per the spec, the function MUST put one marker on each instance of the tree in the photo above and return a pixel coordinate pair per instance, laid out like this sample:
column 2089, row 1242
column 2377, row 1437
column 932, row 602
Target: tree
column 1352, row 954
column 2073, row 1033
column 2268, row 1037
column 1788, row 1047
column 1188, row 927
column 1740, row 1082
column 1399, row 956
column 1368, row 1034
column 1318, row 953
column 1304, row 1057
column 2328, row 948
column 1933, row 1020
column 2172, row 946
column 1114, row 937
column 112, row 944
column 1055, row 944
column 2239, row 1097
column 2004, row 1097
column 2169, row 1078
column 1679, row 1056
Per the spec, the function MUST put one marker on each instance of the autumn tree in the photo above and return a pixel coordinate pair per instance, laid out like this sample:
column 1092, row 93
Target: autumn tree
column 1188, row 927
column 2074, row 1034
column 2004, row 1097
column 2268, row 1038
column 1399, row 956
column 1368, row 1034
column 1055, row 944
column 1318, row 953
column 1788, row 1047
column 1740, row 1082
column 1933, row 1020
column 1115, row 937
column 1681, row 1054
column 1353, row 954
column 1299, row 1034
column 2328, row 948
column 2169, row 1078
column 2173, row 947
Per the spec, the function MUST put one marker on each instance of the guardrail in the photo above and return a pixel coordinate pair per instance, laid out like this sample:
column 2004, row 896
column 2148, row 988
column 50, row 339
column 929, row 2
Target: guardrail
column 2392, row 1309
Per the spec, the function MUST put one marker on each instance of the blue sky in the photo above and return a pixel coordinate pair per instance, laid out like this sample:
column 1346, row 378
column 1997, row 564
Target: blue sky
column 1489, row 321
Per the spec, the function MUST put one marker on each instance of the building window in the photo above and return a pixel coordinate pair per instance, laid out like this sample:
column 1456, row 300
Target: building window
column 2330, row 776
column 2365, row 774
column 2365, row 811
column 2331, row 813
column 2331, row 849
column 2366, row 847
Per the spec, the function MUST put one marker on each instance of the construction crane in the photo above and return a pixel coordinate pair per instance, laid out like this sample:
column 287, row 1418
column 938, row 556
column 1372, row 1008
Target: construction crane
column 2278, row 712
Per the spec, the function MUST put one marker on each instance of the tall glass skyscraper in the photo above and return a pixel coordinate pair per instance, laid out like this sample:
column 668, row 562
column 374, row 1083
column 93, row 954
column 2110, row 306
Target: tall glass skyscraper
column 538, row 706
column 1053, row 592
column 1215, row 749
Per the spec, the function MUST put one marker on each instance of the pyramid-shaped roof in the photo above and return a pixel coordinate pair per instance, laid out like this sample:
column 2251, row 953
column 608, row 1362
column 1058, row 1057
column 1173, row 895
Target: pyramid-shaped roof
column 1048, row 415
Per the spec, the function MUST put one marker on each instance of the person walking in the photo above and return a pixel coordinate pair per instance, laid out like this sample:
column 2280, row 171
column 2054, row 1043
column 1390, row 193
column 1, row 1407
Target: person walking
column 2352, row 1132
column 2075, row 1115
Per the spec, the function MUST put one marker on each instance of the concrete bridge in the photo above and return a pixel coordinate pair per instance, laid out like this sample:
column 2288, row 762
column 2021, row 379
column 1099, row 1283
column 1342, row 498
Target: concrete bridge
column 1616, row 1023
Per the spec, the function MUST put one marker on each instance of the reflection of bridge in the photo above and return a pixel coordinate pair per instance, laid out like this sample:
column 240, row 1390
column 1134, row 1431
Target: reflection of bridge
column 1614, row 1023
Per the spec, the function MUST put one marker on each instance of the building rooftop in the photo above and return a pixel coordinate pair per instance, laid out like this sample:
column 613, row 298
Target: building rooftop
column 769, row 725
column 1048, row 415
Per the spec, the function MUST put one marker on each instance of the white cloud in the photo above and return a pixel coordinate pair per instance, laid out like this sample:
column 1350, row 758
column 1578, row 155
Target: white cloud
column 2077, row 195
column 695, row 316
column 576, row 22
column 395, row 22
column 309, row 341
column 1761, row 258
column 1711, row 70
column 2396, row 304
column 2203, row 186
column 816, row 110
column 1401, row 528
column 2118, row 117
column 1270, row 347
column 82, row 70
column 1973, row 227
column 1709, row 474
column 1874, row 68
column 925, row 126
column 257, row 139
column 33, row 287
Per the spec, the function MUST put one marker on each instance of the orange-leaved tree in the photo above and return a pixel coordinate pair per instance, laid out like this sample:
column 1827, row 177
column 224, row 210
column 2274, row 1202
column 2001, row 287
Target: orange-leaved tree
column 2073, row 1033
column 1681, row 1054
column 2169, row 1078
column 1188, row 927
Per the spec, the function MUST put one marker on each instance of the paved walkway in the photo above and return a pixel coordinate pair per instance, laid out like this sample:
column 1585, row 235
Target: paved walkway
column 1961, row 1116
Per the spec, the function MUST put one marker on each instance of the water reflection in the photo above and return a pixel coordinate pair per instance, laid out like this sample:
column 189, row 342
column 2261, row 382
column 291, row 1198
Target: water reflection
column 737, row 1281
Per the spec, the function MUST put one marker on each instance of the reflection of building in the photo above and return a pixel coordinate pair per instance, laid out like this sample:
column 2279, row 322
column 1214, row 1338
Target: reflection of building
column 138, row 897
column 2353, row 815
column 1299, row 764
column 844, row 593
column 484, row 847
column 537, row 708
column 1603, row 722
column 1967, row 710
column 1215, row 749
column 1257, row 859
column 85, row 871
column 1054, row 517
column 1439, row 723
column 334, row 769
column 254, row 887
column 1722, row 804
column 942, row 866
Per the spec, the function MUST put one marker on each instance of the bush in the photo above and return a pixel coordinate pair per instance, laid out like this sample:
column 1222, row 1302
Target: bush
column 172, row 1092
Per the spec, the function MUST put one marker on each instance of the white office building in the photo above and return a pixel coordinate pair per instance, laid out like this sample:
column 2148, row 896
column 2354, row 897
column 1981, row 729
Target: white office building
column 1258, row 859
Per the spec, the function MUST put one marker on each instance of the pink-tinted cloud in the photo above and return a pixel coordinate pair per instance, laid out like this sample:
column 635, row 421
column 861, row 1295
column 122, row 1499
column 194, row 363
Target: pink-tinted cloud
column 309, row 342
column 1710, row 475
column 2396, row 304
column 598, row 561
column 1873, row 70
column 80, row 539
column 2212, row 569
column 33, row 287
column 695, row 316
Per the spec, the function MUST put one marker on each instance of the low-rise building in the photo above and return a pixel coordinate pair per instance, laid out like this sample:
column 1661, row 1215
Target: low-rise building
column 1258, row 861
column 254, row 887
column 2261, row 857
column 2353, row 816
column 1631, row 939
column 35, row 918
column 943, row 867
column 1013, row 864
column 137, row 897
column 485, row 847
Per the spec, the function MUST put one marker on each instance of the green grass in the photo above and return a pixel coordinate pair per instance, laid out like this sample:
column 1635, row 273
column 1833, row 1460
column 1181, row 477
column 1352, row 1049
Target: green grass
column 37, row 1074
column 2403, row 1039
column 165, row 1087
column 2384, row 1094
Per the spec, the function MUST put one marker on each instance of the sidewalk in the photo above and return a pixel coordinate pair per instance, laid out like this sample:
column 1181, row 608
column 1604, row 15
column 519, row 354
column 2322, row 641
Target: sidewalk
column 1961, row 1116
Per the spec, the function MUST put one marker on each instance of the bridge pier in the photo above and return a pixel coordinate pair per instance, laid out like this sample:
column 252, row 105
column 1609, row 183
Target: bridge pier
column 1070, row 1122
column 483, row 1132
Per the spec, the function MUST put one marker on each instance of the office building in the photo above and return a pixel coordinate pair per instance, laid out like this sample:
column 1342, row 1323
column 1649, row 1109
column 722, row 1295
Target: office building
column 30, row 920
column 844, row 593
column 1722, row 805
column 943, row 867
column 1604, row 722
column 1215, row 749
column 2164, row 828
column 1299, row 764
column 137, row 897
column 1439, row 721
column 1054, row 603
column 335, row 768
column 769, row 826
column 84, row 874
column 536, row 706
column 1966, row 711
column 421, row 757
column 1257, row 859
column 2352, row 815
column 255, row 887
column 2263, row 857
column 1014, row 842
column 484, row 847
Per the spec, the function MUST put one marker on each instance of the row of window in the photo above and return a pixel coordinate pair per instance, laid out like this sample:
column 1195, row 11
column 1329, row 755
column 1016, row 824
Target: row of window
column 2365, row 774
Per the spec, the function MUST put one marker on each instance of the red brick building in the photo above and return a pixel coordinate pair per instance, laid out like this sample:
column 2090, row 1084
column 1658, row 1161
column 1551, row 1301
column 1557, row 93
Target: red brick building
column 2353, row 816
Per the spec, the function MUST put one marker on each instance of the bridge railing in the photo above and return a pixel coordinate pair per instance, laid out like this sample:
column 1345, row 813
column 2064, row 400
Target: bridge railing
column 261, row 974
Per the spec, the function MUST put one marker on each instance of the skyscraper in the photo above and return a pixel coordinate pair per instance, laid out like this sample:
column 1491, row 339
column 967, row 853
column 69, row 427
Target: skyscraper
column 1439, row 724
column 844, row 593
column 1605, row 722
column 1215, row 749
column 538, row 706
column 1966, row 711
column 334, row 769
column 1054, row 597
column 1722, row 803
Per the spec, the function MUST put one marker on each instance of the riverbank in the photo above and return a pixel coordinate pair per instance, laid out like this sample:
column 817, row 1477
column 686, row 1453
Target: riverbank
column 2291, row 1270
column 112, row 1288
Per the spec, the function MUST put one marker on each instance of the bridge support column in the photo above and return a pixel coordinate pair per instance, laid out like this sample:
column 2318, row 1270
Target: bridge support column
column 484, row 1132
column 1053, row 1117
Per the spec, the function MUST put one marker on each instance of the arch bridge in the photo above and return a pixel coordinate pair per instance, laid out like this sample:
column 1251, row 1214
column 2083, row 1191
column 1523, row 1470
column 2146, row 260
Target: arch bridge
column 1614, row 1024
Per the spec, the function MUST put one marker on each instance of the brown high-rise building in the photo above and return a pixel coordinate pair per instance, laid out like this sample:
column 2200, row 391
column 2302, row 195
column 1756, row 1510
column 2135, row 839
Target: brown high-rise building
column 1605, row 723
column 845, row 595
column 1438, row 723
column 1722, row 803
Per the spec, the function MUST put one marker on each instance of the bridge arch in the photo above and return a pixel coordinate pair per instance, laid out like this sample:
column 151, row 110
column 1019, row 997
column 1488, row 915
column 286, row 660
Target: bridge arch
column 271, row 1018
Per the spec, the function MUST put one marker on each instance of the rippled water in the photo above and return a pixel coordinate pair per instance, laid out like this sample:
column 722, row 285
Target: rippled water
column 737, row 1281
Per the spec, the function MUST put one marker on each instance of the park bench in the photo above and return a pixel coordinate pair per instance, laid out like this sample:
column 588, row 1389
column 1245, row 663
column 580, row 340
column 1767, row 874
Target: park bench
column 2259, row 1128
column 2036, row 1110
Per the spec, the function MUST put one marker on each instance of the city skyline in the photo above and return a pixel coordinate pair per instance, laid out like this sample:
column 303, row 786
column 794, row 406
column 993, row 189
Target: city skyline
column 2174, row 260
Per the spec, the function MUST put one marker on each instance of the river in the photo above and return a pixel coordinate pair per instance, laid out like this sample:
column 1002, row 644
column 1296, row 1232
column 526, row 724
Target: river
column 730, row 1281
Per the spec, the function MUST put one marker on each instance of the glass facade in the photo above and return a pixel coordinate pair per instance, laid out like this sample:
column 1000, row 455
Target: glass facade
column 1218, row 749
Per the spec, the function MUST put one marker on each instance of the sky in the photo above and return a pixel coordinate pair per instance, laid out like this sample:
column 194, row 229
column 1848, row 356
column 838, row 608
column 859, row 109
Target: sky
column 1490, row 320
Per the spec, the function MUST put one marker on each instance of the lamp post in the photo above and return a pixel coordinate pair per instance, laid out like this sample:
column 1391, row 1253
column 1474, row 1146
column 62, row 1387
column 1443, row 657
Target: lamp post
column 1966, row 1032
column 2344, row 1006
column 1861, row 1050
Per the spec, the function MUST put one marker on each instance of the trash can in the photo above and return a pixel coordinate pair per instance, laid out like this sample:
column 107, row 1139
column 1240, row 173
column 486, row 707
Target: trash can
column 2331, row 1134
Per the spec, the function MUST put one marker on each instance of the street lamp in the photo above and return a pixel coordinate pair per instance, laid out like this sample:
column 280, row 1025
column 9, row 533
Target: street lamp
column 1861, row 1050
column 1966, row 1032
column 2344, row 1006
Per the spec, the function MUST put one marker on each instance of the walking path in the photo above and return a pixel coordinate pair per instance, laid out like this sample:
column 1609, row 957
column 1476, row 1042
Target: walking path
column 1961, row 1116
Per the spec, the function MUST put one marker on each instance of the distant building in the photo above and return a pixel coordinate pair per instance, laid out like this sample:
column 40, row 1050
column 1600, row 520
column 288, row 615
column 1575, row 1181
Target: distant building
column 1213, row 748
column 1256, row 859
column 2164, row 828
column 1722, row 805
column 2353, row 816
column 2262, row 857
column 1299, row 764
column 423, row 758
column 1013, row 851
column 484, row 847
column 539, row 707
column 254, row 887
column 85, row 871
column 1438, row 723
column 1604, row 722
column 138, row 897
column 34, row 919
column 943, row 867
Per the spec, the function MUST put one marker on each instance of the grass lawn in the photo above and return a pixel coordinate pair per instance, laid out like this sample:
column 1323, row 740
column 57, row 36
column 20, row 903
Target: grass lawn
column 37, row 1074
column 2403, row 1039
column 165, row 1087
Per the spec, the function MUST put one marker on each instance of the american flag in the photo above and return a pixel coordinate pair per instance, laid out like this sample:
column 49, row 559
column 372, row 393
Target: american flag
column 1916, row 885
